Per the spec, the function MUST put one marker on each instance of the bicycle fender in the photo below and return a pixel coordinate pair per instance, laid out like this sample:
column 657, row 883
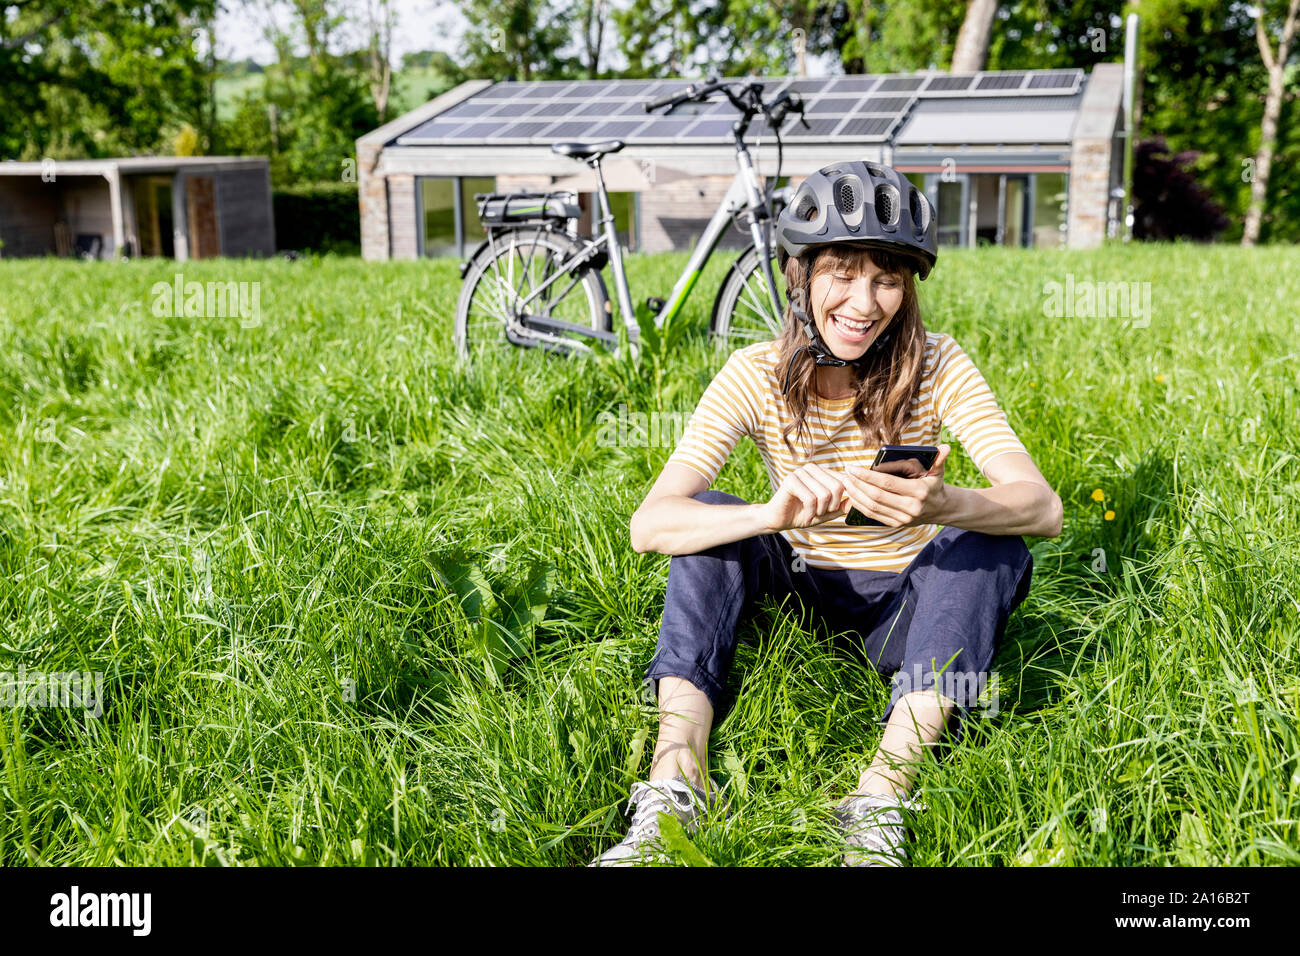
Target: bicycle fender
column 464, row 263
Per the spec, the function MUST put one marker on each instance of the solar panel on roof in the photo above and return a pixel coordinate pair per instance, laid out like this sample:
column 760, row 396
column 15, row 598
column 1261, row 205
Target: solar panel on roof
column 816, row 127
column 617, row 128
column 720, row 107
column 574, row 128
column 883, row 104
column 853, row 84
column 959, row 82
column 710, row 127
column 836, row 106
column 472, row 107
column 667, row 128
column 555, row 108
column 437, row 131
column 1000, row 81
column 498, row 91
column 479, row 130
column 833, row 104
column 867, row 126
column 521, row 130
column 687, row 110
column 588, row 89
column 663, row 88
column 512, row 109
column 1053, row 80
column 900, row 84
column 629, row 87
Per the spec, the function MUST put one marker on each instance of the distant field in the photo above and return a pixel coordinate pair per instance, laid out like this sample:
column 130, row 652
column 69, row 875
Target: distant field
column 355, row 604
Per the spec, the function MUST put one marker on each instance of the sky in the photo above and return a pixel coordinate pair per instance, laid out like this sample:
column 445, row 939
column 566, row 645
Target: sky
column 421, row 25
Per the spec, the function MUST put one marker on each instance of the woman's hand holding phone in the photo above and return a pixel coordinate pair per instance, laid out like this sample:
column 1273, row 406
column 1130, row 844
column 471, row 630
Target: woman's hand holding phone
column 809, row 495
column 896, row 501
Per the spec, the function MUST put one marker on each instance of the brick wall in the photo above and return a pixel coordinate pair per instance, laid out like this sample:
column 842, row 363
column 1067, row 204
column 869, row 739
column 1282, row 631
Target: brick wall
column 372, row 193
column 674, row 214
column 1090, row 176
column 403, row 217
column 1093, row 170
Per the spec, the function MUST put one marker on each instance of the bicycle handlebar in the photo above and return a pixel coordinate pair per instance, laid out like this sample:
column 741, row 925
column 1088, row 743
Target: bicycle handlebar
column 690, row 93
column 749, row 103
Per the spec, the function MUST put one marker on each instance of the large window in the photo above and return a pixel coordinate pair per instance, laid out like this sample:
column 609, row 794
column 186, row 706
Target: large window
column 950, row 211
column 438, row 216
column 449, row 214
column 474, row 231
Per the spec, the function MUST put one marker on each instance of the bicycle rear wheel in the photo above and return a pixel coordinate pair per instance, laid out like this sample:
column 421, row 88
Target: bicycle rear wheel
column 742, row 312
column 505, row 272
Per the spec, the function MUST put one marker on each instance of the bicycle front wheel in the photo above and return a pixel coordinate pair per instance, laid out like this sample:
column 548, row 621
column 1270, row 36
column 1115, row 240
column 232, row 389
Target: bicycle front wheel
column 502, row 286
column 742, row 312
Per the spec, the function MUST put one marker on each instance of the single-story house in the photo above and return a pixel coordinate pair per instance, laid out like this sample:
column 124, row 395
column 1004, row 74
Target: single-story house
column 1025, row 157
column 182, row 207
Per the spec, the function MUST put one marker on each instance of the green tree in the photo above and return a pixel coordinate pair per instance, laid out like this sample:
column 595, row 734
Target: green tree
column 1204, row 85
column 113, row 77
column 309, row 109
column 523, row 39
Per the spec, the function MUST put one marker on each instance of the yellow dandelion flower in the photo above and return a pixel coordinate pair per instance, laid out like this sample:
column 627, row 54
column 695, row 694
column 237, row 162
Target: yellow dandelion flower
column 1109, row 516
column 1097, row 495
column 1160, row 378
column 1033, row 384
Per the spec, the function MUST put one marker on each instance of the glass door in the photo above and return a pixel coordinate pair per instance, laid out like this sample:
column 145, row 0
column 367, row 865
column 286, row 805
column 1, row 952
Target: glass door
column 950, row 199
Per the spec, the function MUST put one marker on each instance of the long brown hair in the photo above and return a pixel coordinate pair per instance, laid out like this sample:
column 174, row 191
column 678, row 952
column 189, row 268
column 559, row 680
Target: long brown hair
column 889, row 378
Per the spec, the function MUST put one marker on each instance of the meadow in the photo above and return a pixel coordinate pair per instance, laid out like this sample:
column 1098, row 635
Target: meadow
column 355, row 603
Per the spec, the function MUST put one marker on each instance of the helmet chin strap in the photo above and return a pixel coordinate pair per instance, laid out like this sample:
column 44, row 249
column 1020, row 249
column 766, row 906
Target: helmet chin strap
column 820, row 351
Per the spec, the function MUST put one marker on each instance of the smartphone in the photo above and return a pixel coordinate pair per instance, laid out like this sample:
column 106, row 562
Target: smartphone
column 905, row 461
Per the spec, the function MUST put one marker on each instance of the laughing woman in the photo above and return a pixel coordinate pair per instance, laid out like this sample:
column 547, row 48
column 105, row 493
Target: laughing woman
column 928, row 589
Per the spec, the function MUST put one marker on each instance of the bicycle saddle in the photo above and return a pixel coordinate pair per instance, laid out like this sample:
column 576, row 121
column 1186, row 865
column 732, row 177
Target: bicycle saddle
column 583, row 150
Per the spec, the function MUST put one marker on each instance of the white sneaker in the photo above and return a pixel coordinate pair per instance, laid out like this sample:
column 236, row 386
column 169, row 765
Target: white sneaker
column 873, row 829
column 642, row 844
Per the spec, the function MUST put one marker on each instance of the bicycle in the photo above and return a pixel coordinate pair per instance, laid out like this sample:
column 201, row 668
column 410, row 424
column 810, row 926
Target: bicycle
column 511, row 279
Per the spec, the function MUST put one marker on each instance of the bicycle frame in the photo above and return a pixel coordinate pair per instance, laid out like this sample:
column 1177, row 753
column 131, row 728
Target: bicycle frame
column 743, row 193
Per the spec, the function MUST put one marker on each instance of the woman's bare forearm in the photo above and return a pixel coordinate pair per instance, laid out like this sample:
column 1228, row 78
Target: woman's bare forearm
column 675, row 524
column 1017, row 507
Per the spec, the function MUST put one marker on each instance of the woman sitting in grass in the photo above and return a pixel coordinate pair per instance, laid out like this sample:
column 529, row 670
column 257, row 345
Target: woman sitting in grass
column 928, row 588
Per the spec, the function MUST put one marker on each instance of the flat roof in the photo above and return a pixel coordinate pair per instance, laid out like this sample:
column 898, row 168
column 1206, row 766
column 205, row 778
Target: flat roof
column 859, row 109
column 127, row 165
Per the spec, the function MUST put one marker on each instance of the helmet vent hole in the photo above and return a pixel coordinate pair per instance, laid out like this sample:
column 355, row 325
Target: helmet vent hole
column 887, row 205
column 845, row 198
column 807, row 208
column 920, row 212
column 875, row 170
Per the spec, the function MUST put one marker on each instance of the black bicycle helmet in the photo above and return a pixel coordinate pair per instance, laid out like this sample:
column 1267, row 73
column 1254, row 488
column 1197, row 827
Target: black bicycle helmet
column 862, row 203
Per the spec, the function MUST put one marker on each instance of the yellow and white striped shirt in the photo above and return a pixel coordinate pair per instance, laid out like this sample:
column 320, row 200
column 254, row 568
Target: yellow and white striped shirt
column 745, row 398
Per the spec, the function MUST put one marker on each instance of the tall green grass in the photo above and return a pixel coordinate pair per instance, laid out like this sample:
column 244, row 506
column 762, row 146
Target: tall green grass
column 356, row 604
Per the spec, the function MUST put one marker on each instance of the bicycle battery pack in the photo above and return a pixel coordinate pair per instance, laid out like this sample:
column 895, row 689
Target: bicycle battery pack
column 509, row 209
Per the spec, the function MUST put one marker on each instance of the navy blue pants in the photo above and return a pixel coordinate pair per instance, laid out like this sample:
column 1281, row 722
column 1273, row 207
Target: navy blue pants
column 935, row 625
